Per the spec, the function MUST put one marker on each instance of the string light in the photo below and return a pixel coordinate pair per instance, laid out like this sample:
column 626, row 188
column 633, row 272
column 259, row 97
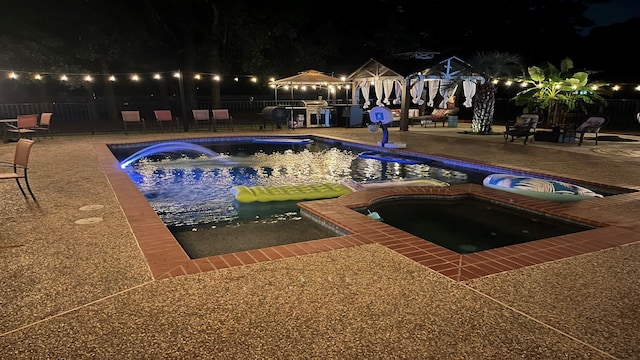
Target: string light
column 16, row 75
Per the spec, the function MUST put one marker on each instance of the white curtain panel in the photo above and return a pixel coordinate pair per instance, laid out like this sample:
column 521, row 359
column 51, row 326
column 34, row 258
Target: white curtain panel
column 452, row 95
column 417, row 87
column 469, row 89
column 387, row 86
column 377, row 85
column 398, row 89
column 444, row 92
column 364, row 88
column 434, row 85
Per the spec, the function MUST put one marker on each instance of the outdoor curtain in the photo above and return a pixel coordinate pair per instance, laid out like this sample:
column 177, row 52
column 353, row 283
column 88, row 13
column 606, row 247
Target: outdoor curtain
column 387, row 86
column 377, row 86
column 417, row 87
column 398, row 89
column 433, row 91
column 469, row 89
column 444, row 91
column 364, row 87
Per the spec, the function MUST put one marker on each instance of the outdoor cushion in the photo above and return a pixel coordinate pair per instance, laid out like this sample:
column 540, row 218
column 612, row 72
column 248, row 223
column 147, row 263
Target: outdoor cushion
column 439, row 112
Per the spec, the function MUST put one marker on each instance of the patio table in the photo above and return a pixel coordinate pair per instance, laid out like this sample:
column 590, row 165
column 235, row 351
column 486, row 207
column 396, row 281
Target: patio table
column 4, row 123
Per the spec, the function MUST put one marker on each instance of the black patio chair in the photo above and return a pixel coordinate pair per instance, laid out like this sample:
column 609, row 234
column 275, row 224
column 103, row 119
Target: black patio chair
column 592, row 125
column 524, row 126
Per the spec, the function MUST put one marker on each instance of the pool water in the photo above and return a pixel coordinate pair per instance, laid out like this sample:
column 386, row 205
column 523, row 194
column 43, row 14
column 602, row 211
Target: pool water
column 468, row 225
column 187, row 189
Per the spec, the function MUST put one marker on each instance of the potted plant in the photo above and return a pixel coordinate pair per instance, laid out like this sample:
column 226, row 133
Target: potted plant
column 558, row 92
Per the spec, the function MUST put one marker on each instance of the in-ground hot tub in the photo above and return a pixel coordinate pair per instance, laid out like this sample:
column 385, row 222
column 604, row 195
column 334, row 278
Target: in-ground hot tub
column 467, row 224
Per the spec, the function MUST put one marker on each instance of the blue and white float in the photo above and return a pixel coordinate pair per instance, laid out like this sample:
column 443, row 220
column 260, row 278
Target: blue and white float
column 539, row 188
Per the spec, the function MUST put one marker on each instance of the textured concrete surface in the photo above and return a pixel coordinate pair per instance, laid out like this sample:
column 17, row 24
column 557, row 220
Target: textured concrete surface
column 79, row 291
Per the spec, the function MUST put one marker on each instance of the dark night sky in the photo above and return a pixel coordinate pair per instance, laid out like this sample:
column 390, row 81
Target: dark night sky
column 616, row 11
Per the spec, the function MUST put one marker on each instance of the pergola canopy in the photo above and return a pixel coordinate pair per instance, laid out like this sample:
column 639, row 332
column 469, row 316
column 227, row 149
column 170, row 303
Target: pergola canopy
column 309, row 78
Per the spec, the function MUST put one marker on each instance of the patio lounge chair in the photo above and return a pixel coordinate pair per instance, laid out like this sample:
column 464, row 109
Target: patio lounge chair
column 592, row 125
column 19, row 166
column 201, row 116
column 523, row 127
column 25, row 126
column 437, row 115
column 132, row 117
column 221, row 116
column 165, row 116
column 44, row 126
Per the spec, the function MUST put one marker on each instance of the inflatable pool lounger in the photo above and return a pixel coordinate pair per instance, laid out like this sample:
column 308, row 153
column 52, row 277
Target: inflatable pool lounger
column 539, row 188
column 247, row 194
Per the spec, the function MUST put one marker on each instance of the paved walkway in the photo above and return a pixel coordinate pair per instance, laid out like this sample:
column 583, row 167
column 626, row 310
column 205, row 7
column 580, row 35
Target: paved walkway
column 84, row 290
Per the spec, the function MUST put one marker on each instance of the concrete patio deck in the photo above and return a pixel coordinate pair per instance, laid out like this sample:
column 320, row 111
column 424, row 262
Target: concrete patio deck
column 86, row 290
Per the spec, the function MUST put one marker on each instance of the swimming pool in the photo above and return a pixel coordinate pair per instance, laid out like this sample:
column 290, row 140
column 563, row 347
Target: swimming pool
column 192, row 194
column 186, row 188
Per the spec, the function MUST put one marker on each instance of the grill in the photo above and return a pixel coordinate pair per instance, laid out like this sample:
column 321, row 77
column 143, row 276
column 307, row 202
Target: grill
column 275, row 115
column 317, row 113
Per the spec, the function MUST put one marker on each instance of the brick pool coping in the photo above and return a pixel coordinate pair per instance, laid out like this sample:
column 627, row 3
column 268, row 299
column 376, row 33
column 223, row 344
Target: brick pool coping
column 166, row 258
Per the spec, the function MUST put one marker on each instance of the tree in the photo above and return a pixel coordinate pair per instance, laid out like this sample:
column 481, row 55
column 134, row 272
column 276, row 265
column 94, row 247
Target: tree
column 485, row 69
column 558, row 91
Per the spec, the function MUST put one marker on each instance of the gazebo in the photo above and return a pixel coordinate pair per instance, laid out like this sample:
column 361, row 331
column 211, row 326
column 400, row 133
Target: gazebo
column 307, row 78
column 313, row 113
column 402, row 80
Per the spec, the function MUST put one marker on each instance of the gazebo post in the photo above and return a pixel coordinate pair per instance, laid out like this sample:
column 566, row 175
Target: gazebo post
column 404, row 107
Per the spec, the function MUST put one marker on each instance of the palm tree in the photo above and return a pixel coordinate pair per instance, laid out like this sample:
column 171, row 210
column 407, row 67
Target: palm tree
column 485, row 69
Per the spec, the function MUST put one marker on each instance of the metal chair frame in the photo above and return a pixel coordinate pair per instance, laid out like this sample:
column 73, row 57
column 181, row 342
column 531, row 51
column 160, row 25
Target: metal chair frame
column 20, row 162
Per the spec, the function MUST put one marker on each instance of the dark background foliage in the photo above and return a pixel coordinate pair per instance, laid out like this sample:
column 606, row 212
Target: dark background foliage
column 281, row 38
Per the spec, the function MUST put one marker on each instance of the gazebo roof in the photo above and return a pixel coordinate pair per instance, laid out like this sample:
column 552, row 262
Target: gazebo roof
column 400, row 68
column 309, row 77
